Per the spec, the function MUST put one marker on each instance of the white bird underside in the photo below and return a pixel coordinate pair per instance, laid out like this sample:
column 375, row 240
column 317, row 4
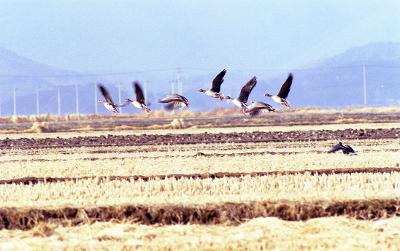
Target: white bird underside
column 238, row 103
column 212, row 94
column 277, row 99
column 110, row 107
column 137, row 104
column 281, row 101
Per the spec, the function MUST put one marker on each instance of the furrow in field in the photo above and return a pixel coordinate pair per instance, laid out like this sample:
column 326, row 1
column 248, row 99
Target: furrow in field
column 206, row 138
column 219, row 175
column 226, row 213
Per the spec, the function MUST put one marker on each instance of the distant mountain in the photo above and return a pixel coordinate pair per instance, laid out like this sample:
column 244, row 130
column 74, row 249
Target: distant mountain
column 381, row 54
column 338, row 81
column 332, row 82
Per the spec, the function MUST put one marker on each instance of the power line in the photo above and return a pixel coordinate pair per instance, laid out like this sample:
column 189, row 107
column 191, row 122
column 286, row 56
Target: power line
column 197, row 69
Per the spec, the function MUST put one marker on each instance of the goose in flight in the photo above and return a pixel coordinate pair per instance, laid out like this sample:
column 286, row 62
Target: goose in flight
column 215, row 91
column 281, row 97
column 174, row 101
column 257, row 107
column 108, row 102
column 139, row 102
column 241, row 101
column 346, row 149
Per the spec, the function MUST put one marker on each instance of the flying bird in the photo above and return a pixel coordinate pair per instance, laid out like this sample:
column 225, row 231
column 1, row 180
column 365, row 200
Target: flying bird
column 281, row 97
column 174, row 101
column 346, row 149
column 241, row 101
column 108, row 102
column 215, row 91
column 139, row 102
column 257, row 107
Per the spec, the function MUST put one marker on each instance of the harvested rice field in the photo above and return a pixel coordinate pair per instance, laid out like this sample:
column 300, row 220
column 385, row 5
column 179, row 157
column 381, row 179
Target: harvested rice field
column 250, row 185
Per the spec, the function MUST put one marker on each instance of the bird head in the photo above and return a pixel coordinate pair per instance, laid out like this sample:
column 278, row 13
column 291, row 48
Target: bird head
column 101, row 101
column 128, row 100
column 228, row 97
column 202, row 90
column 268, row 95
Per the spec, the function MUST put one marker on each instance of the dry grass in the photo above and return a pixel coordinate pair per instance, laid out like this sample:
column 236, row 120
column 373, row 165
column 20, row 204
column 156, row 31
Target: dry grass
column 301, row 187
column 156, row 160
column 249, row 196
column 258, row 234
column 189, row 114
column 186, row 128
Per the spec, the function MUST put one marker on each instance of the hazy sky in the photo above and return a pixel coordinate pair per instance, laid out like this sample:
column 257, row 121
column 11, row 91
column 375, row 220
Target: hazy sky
column 98, row 36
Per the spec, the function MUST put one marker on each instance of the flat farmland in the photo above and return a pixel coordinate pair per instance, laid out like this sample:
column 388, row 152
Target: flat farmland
column 249, row 184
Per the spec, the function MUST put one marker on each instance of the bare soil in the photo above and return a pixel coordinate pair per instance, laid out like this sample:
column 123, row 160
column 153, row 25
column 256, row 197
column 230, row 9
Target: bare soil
column 204, row 138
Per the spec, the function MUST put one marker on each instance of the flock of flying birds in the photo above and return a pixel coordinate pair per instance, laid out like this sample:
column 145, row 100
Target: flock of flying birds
column 175, row 101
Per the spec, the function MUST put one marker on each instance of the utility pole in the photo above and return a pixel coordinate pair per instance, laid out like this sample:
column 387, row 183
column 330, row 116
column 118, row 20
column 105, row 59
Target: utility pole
column 119, row 97
column 365, row 85
column 37, row 101
column 15, row 102
column 95, row 100
column 179, row 81
column 76, row 99
column 145, row 90
column 58, row 101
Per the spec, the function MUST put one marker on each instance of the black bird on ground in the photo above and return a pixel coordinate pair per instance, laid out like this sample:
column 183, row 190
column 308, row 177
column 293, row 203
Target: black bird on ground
column 281, row 97
column 108, row 102
column 241, row 101
column 346, row 149
column 139, row 102
column 174, row 101
column 215, row 91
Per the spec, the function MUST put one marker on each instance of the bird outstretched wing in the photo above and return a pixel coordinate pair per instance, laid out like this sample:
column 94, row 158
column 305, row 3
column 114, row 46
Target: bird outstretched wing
column 336, row 148
column 217, row 82
column 349, row 150
column 138, row 92
column 285, row 89
column 105, row 93
column 246, row 89
column 254, row 112
column 171, row 106
column 169, row 98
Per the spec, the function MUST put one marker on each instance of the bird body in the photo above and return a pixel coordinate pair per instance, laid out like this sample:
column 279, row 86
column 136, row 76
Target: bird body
column 213, row 94
column 111, row 107
column 108, row 102
column 257, row 107
column 215, row 90
column 346, row 149
column 174, row 101
column 241, row 101
column 237, row 103
column 281, row 97
column 140, row 100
